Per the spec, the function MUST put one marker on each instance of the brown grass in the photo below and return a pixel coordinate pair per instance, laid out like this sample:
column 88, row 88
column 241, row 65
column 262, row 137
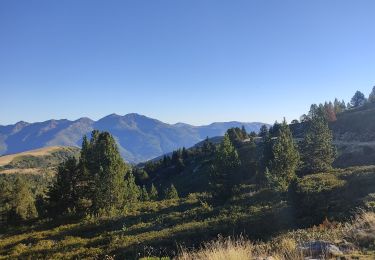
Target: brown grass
column 36, row 171
column 6, row 159
column 360, row 232
column 242, row 249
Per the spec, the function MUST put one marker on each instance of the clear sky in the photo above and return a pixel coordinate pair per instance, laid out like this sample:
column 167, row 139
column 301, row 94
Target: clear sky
column 193, row 61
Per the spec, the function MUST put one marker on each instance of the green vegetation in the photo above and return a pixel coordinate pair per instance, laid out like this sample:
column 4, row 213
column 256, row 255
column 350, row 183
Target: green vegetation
column 284, row 162
column 154, row 228
column 225, row 170
column 318, row 152
column 272, row 187
column 17, row 201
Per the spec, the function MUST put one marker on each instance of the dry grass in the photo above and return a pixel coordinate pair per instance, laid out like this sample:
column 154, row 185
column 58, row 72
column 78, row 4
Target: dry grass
column 6, row 159
column 222, row 249
column 26, row 171
column 360, row 232
column 242, row 249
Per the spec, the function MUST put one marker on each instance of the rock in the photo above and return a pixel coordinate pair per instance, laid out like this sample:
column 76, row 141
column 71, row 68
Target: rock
column 319, row 248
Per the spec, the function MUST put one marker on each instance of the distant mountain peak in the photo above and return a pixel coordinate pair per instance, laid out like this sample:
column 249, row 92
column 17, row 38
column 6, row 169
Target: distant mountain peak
column 84, row 120
column 139, row 137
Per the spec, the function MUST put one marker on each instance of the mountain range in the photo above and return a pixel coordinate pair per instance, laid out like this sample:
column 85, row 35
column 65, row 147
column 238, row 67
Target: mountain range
column 139, row 137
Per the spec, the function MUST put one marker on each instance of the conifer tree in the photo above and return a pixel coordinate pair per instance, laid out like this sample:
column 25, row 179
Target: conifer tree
column 358, row 99
column 141, row 176
column 6, row 194
column 108, row 169
column 144, row 194
column 339, row 107
column 64, row 193
column 285, row 160
column 266, row 148
column 131, row 191
column 208, row 147
column 184, row 153
column 263, row 132
column 22, row 202
column 225, row 170
column 244, row 133
column 171, row 193
column 154, row 195
column 318, row 152
column 371, row 97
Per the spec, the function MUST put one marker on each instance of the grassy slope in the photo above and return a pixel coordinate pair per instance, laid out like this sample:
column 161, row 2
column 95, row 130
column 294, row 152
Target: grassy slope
column 155, row 228
column 36, row 161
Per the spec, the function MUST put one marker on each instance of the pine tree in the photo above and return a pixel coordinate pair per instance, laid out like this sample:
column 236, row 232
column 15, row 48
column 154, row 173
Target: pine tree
column 141, row 176
column 263, row 132
column 285, row 160
column 22, row 202
column 338, row 106
column 225, row 170
column 358, row 99
column 64, row 193
column 144, row 194
column 274, row 130
column 371, row 97
column 208, row 147
column 184, row 153
column 318, row 152
column 106, row 171
column 266, row 148
column 101, row 181
column 131, row 191
column 171, row 193
column 154, row 195
column 6, row 194
column 244, row 133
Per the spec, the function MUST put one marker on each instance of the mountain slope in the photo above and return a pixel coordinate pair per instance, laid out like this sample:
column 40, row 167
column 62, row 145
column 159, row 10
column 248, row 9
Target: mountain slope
column 39, row 161
column 140, row 138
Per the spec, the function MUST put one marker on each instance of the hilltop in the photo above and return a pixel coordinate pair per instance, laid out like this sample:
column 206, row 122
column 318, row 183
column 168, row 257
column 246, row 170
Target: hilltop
column 36, row 161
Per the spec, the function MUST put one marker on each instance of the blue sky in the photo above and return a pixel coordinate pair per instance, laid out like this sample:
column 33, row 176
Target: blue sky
column 193, row 61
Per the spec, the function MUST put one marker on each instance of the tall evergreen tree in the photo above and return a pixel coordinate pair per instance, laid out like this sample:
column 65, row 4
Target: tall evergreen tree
column 64, row 193
column 131, row 191
column 263, row 132
column 285, row 160
column 208, row 147
column 224, row 170
column 358, row 99
column 144, row 194
column 154, row 195
column 109, row 172
column 274, row 129
column 266, row 148
column 371, row 97
column 6, row 195
column 171, row 193
column 318, row 152
column 184, row 153
column 339, row 107
column 100, row 181
column 244, row 132
column 22, row 202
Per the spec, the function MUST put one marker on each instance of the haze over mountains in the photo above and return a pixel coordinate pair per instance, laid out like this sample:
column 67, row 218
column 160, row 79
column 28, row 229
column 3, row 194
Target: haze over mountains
column 139, row 137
